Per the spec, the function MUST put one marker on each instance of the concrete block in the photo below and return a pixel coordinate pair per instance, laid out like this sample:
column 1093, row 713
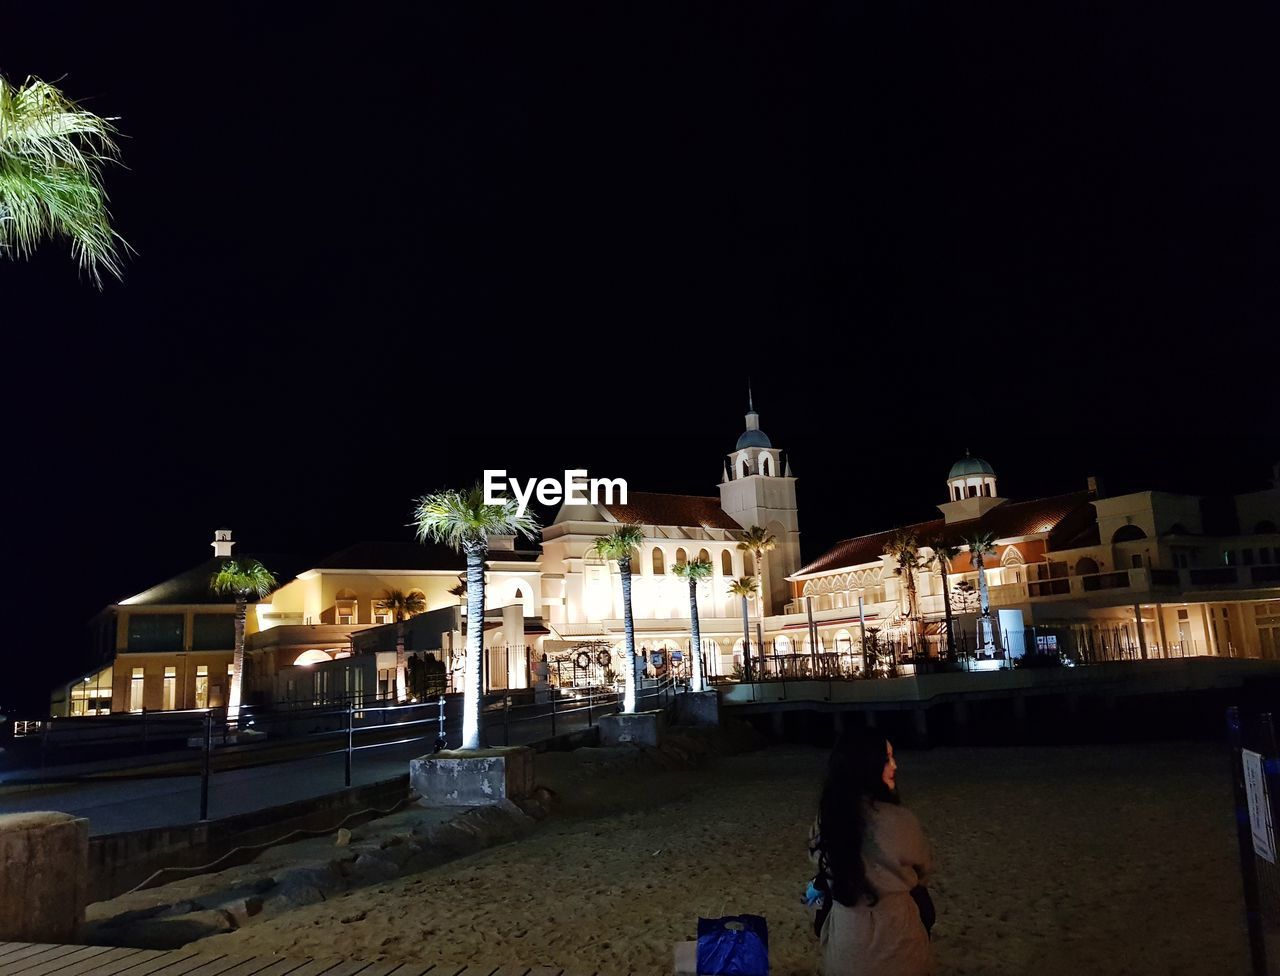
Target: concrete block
column 44, row 861
column 635, row 728
column 686, row 959
column 698, row 708
column 472, row 778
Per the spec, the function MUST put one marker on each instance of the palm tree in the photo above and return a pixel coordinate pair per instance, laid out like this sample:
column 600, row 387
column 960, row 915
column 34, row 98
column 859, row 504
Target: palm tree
column 243, row 579
column 905, row 552
column 982, row 544
column 745, row 587
column 621, row 545
column 758, row 542
column 401, row 606
column 462, row 521
column 943, row 553
column 695, row 571
column 51, row 157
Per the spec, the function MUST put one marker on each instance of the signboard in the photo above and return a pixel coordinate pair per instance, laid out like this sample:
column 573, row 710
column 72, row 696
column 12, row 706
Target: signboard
column 1255, row 784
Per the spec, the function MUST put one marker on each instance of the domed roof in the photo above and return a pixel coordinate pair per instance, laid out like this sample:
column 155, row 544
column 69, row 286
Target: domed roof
column 753, row 438
column 969, row 466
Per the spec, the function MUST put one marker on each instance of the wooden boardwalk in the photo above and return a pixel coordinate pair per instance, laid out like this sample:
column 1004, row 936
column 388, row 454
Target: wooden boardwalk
column 41, row 959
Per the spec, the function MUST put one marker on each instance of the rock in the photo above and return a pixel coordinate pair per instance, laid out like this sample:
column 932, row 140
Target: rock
column 170, row 932
column 344, row 837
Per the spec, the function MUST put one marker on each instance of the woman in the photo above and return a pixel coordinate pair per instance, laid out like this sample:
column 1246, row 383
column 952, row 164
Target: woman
column 873, row 853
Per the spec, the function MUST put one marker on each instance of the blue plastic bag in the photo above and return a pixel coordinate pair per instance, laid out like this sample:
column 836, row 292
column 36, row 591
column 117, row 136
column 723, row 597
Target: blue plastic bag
column 736, row 945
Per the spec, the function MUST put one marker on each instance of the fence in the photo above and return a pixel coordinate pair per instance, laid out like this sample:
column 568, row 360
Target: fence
column 1255, row 775
column 271, row 738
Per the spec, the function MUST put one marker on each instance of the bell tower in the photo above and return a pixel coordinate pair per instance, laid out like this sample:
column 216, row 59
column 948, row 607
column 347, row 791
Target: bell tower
column 757, row 488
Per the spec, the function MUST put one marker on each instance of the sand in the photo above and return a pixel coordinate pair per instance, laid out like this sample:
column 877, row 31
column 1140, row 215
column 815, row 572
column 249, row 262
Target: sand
column 1052, row 860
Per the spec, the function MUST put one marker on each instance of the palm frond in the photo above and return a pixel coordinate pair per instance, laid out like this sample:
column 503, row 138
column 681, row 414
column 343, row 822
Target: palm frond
column 51, row 158
column 462, row 521
column 697, row 569
column 399, row 604
column 243, row 579
column 757, row 540
column 980, row 543
column 743, row 586
column 622, row 543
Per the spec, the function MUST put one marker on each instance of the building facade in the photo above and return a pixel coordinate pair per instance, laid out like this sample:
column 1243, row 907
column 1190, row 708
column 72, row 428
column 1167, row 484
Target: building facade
column 1083, row 575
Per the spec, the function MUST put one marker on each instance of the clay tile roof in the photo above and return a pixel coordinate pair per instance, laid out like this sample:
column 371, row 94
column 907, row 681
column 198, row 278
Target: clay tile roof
column 192, row 585
column 652, row 508
column 1064, row 518
column 863, row 548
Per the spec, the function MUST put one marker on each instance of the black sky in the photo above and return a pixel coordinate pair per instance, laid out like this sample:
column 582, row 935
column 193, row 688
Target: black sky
column 383, row 248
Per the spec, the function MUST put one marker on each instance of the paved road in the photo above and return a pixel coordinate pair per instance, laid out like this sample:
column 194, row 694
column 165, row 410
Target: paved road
column 155, row 801
column 114, row 805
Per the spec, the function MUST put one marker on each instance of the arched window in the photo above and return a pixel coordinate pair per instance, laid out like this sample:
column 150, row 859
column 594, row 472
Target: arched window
column 682, row 557
column 704, row 556
column 1128, row 533
column 659, row 564
column 746, row 467
column 764, row 465
column 726, row 563
column 1086, row 566
column 782, row 645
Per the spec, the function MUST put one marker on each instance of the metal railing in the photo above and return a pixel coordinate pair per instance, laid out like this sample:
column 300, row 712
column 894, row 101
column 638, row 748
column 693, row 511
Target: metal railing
column 162, row 742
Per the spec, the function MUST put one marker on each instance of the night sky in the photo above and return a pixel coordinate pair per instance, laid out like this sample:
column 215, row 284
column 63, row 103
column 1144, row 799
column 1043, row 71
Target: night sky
column 382, row 249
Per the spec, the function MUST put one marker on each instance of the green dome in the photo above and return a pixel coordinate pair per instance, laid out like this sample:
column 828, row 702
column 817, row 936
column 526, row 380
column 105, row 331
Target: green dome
column 968, row 467
column 753, row 438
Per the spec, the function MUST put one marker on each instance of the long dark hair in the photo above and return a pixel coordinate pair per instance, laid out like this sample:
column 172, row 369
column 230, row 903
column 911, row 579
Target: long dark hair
column 855, row 776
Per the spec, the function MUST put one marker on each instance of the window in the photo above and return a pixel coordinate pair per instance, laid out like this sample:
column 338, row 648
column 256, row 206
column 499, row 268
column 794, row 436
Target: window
column 726, row 563
column 213, row 632
column 1128, row 533
column 155, row 632
column 1228, row 557
column 682, row 557
column 170, row 688
column 1135, row 561
column 136, row 700
column 382, row 618
column 659, row 565
column 202, row 686
column 764, row 465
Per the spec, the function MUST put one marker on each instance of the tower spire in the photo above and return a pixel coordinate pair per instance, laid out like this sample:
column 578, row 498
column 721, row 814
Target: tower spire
column 751, row 406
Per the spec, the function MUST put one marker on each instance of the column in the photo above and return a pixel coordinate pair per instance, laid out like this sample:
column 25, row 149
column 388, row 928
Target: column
column 1164, row 643
column 1206, row 612
column 1142, row 631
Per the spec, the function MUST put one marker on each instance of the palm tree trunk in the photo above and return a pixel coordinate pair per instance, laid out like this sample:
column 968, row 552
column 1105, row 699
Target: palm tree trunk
column 946, row 604
column 237, row 664
column 746, row 641
column 985, row 597
column 629, row 638
column 760, row 604
column 475, row 647
column 984, row 628
column 695, row 681
column 401, row 691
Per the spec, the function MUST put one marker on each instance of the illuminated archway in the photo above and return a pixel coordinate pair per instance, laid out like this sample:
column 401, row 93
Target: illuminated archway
column 311, row 657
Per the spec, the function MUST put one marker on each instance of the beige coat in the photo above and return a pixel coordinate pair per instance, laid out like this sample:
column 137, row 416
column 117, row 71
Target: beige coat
column 887, row 938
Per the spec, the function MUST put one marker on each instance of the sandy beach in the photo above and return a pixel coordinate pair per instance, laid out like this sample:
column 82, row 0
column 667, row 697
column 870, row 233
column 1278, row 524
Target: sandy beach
column 1052, row 860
